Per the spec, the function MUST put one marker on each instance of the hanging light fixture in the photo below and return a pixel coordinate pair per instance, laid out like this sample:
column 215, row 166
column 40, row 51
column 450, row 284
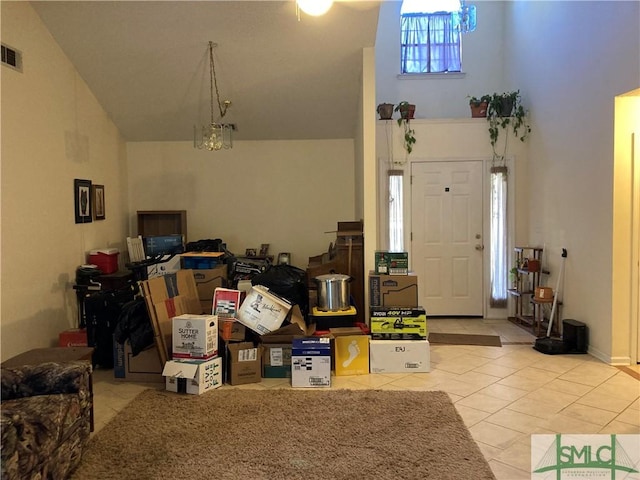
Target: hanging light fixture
column 214, row 136
column 315, row 8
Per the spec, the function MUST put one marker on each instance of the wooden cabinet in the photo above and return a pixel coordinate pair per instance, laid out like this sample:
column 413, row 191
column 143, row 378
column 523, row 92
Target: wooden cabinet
column 162, row 222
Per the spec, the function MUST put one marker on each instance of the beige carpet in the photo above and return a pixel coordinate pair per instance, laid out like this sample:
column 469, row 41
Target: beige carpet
column 464, row 339
column 285, row 434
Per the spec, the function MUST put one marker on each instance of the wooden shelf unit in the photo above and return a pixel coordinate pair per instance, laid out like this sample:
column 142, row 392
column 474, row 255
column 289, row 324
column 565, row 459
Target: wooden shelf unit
column 162, row 222
column 526, row 310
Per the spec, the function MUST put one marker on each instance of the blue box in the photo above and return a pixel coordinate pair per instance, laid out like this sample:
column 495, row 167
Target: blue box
column 311, row 362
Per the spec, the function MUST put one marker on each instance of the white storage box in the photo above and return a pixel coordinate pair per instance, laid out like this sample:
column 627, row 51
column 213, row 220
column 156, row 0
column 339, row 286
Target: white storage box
column 262, row 311
column 193, row 377
column 195, row 336
column 399, row 356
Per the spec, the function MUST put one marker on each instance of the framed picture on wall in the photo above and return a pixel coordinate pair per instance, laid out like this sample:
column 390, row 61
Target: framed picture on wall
column 98, row 202
column 82, row 200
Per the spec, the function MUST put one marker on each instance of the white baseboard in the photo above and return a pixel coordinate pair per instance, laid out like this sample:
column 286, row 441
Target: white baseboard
column 614, row 361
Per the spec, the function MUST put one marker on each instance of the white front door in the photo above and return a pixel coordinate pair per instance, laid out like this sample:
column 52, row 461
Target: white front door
column 446, row 241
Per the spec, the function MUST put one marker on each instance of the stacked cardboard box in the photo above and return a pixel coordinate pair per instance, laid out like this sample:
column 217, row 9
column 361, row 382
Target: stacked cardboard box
column 398, row 324
column 209, row 273
column 196, row 367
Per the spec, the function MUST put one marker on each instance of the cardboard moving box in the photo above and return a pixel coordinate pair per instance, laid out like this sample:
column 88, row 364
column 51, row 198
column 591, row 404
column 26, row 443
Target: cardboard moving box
column 352, row 354
column 195, row 336
column 399, row 356
column 393, row 290
column 398, row 323
column 245, row 363
column 208, row 280
column 277, row 347
column 311, row 362
column 193, row 377
column 263, row 311
column 144, row 367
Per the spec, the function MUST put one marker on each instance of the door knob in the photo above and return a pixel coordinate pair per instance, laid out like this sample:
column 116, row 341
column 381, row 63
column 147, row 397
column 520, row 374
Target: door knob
column 479, row 247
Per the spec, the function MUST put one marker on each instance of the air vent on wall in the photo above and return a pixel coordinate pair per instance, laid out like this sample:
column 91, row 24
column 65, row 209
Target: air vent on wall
column 11, row 57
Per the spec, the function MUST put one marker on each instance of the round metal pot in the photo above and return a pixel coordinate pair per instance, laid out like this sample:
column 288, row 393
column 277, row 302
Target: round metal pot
column 333, row 292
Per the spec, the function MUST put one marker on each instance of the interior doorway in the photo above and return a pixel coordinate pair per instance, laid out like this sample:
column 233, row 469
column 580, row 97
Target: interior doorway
column 447, row 236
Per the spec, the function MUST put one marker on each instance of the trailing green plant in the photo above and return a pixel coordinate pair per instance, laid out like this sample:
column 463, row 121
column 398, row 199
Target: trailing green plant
column 409, row 134
column 475, row 101
column 505, row 112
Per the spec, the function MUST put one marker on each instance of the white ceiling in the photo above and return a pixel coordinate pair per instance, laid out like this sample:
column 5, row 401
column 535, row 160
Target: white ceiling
column 147, row 63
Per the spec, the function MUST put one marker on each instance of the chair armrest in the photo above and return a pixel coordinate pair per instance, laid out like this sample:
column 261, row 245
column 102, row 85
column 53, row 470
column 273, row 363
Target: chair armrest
column 45, row 379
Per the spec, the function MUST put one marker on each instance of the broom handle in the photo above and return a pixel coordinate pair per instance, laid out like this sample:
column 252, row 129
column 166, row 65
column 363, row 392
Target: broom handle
column 555, row 297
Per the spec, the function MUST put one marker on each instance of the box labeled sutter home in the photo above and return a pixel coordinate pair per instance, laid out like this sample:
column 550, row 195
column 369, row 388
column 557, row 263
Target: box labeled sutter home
column 193, row 377
column 393, row 290
column 399, row 356
column 311, row 362
column 195, row 336
column 389, row 323
column 263, row 311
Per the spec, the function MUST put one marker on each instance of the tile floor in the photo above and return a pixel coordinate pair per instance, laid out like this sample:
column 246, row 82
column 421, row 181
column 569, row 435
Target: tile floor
column 504, row 394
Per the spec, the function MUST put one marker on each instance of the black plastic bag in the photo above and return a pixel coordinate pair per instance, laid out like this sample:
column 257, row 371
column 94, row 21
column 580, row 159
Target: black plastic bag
column 134, row 325
column 288, row 282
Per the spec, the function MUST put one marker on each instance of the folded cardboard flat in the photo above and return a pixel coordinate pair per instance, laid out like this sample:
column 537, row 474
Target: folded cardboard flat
column 166, row 297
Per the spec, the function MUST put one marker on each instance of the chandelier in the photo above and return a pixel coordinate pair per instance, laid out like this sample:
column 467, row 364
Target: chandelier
column 216, row 135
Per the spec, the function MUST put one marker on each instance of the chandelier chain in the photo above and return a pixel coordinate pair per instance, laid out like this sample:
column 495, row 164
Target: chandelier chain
column 213, row 82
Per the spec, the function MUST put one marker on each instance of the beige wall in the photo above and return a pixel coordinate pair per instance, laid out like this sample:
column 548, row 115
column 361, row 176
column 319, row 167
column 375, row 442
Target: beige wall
column 53, row 130
column 284, row 193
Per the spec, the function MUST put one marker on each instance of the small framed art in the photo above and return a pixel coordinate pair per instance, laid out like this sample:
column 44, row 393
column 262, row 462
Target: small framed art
column 82, row 200
column 98, row 202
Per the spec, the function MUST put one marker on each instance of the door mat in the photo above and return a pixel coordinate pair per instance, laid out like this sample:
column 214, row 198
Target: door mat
column 464, row 339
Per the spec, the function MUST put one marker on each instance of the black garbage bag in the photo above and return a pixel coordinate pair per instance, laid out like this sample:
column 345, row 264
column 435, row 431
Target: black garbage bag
column 288, row 282
column 134, row 325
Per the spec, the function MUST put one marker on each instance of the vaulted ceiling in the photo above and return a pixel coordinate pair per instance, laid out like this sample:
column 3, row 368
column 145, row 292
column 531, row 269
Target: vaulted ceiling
column 148, row 64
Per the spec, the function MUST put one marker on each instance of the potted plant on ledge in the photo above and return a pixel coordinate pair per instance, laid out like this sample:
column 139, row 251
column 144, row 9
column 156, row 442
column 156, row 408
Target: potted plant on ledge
column 479, row 106
column 505, row 112
column 407, row 111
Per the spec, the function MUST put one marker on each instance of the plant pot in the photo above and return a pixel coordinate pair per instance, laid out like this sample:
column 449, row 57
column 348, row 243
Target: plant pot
column 533, row 265
column 385, row 110
column 478, row 110
column 407, row 112
column 504, row 107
